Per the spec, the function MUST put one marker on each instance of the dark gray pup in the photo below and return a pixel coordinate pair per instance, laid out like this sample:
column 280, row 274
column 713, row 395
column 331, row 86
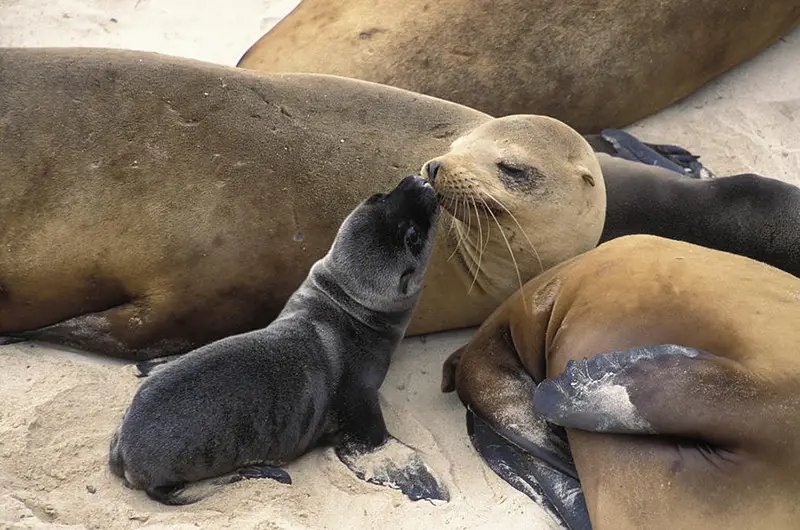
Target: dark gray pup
column 235, row 408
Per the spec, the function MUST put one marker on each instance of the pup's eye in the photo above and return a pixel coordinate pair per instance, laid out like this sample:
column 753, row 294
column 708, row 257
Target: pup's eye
column 376, row 198
column 512, row 170
column 412, row 237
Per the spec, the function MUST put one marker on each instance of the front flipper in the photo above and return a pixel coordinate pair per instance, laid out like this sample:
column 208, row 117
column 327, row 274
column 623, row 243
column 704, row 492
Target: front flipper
column 367, row 448
column 494, row 385
column 396, row 465
column 557, row 493
column 665, row 389
column 195, row 491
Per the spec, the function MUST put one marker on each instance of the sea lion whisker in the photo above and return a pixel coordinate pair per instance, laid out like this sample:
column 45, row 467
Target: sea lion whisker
column 458, row 233
column 513, row 259
column 481, row 245
column 536, row 252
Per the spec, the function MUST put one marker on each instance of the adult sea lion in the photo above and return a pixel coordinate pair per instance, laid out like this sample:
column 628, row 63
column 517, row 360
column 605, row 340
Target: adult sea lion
column 238, row 407
column 153, row 204
column 592, row 65
column 674, row 369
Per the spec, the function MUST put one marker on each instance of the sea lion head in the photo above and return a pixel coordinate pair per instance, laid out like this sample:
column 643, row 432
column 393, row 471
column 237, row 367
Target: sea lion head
column 382, row 249
column 521, row 194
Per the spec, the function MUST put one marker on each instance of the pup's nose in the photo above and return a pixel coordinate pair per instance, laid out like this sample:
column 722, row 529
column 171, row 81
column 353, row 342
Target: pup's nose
column 433, row 168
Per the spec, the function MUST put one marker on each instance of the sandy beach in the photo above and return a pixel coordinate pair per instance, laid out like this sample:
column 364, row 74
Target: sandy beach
column 58, row 408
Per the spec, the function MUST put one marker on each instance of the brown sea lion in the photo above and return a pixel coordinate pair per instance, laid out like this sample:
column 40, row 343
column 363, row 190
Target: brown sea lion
column 674, row 369
column 153, row 204
column 592, row 65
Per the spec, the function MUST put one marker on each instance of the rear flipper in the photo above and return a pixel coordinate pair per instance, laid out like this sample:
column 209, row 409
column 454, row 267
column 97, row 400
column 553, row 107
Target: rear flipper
column 557, row 493
column 5, row 340
column 191, row 493
column 667, row 390
column 667, row 156
column 147, row 368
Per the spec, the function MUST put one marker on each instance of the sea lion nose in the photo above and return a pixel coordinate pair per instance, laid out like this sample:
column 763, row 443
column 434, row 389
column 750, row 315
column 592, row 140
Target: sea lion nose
column 433, row 168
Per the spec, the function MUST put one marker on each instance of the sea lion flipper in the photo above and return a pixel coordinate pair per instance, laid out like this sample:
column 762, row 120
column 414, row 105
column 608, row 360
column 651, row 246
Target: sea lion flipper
column 396, row 465
column 508, row 409
column 557, row 493
column 147, row 368
column 178, row 495
column 375, row 456
column 666, row 389
column 671, row 157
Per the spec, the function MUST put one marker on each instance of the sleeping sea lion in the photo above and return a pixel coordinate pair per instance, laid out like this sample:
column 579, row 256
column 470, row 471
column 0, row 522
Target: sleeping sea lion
column 153, row 204
column 673, row 368
column 592, row 65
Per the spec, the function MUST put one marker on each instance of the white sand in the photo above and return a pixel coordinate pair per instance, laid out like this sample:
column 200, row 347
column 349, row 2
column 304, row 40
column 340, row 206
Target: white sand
column 58, row 409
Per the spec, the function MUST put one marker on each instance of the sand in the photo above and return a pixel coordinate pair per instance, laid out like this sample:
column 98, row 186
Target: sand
column 58, row 408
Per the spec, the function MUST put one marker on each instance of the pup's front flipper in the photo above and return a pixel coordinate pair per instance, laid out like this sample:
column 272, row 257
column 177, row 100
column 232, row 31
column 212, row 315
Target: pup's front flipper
column 375, row 456
column 396, row 465
column 557, row 493
column 665, row 389
column 195, row 491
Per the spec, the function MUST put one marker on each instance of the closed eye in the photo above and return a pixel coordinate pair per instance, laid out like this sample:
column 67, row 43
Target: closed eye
column 512, row 170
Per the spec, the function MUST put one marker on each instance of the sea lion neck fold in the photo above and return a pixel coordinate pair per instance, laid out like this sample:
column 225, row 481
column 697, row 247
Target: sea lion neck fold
column 325, row 285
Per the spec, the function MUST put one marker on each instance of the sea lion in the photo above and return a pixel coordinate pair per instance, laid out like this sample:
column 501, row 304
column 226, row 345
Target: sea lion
column 154, row 204
column 674, row 369
column 745, row 214
column 237, row 407
column 587, row 65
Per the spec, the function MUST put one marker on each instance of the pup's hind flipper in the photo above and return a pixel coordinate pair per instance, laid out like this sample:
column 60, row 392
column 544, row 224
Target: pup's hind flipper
column 557, row 493
column 396, row 465
column 179, row 495
column 147, row 368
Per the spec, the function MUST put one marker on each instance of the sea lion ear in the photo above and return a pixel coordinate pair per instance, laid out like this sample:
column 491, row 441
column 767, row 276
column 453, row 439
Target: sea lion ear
column 588, row 179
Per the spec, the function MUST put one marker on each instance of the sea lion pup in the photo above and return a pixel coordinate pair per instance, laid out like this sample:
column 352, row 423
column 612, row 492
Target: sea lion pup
column 590, row 65
column 155, row 204
column 674, row 369
column 237, row 407
column 745, row 214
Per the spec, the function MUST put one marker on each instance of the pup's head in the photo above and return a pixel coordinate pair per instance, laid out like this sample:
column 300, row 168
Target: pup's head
column 382, row 249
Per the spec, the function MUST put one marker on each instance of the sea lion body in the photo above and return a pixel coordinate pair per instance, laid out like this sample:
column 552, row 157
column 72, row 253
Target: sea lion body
column 153, row 204
column 588, row 65
column 746, row 214
column 312, row 376
column 674, row 369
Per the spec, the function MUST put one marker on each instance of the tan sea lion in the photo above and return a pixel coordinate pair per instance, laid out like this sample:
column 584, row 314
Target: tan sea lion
column 592, row 65
column 153, row 204
column 674, row 369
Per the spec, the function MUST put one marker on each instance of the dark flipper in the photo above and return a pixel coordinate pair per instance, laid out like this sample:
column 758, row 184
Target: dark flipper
column 12, row 339
column 666, row 389
column 557, row 493
column 671, row 157
column 146, row 368
column 181, row 495
column 396, row 465
column 375, row 456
